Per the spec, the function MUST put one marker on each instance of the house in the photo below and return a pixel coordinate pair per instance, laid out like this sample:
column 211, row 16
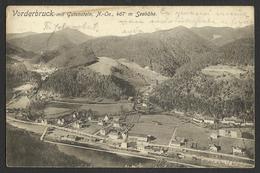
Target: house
column 222, row 132
column 75, row 114
column 76, row 124
column 116, row 124
column 214, row 148
column 60, row 121
column 177, row 144
column 116, row 119
column 89, row 118
column 197, row 120
column 104, row 131
column 237, row 150
column 230, row 133
column 130, row 99
column 101, row 122
column 124, row 135
column 209, row 120
column 247, row 124
column 113, row 135
column 183, row 141
column 144, row 105
column 106, row 118
column 124, row 145
column 138, row 137
column 177, row 112
column 235, row 134
column 44, row 121
column 214, row 135
column 178, row 141
column 68, row 138
column 232, row 120
column 157, row 150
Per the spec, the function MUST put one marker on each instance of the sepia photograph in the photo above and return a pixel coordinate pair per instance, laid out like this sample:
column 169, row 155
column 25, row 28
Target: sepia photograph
column 130, row 86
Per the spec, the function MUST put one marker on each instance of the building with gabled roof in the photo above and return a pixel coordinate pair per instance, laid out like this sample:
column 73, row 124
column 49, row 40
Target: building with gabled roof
column 214, row 148
column 113, row 135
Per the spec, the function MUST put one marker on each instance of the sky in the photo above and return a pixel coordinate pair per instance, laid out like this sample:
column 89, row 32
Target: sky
column 124, row 20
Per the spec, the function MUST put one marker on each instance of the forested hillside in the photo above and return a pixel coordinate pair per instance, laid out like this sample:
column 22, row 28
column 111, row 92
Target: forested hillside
column 12, row 50
column 84, row 82
column 163, row 51
column 202, row 87
column 206, row 95
column 224, row 35
column 239, row 52
column 17, row 73
column 24, row 149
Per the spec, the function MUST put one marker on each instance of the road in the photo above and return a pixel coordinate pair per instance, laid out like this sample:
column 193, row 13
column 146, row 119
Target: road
column 44, row 133
column 126, row 154
column 78, row 103
column 173, row 134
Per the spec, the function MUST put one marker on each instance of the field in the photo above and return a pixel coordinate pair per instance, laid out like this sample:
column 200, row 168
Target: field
column 28, row 127
column 227, row 143
column 21, row 102
column 194, row 134
column 201, row 136
column 102, row 108
column 24, row 87
column 55, row 112
column 108, row 108
column 104, row 65
column 163, row 126
column 159, row 126
column 86, row 100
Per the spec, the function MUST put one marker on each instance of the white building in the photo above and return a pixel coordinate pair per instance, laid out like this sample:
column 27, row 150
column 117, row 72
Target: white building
column 101, row 122
column 197, row 120
column 222, row 132
column 106, row 118
column 235, row 134
column 209, row 120
column 237, row 150
column 113, row 135
column 144, row 105
column 104, row 131
column 247, row 124
column 44, row 122
column 232, row 120
column 230, row 133
column 214, row 135
column 124, row 145
column 60, row 121
column 76, row 125
column 138, row 137
column 116, row 124
column 214, row 148
column 124, row 135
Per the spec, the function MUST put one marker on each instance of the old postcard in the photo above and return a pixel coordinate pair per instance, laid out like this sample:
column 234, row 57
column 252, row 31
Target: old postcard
column 130, row 86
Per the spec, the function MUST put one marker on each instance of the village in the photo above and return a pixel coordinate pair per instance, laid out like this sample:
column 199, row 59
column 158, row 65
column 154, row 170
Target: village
column 155, row 135
column 186, row 137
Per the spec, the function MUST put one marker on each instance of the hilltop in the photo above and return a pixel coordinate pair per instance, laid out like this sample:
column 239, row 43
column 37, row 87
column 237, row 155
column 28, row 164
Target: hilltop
column 41, row 42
